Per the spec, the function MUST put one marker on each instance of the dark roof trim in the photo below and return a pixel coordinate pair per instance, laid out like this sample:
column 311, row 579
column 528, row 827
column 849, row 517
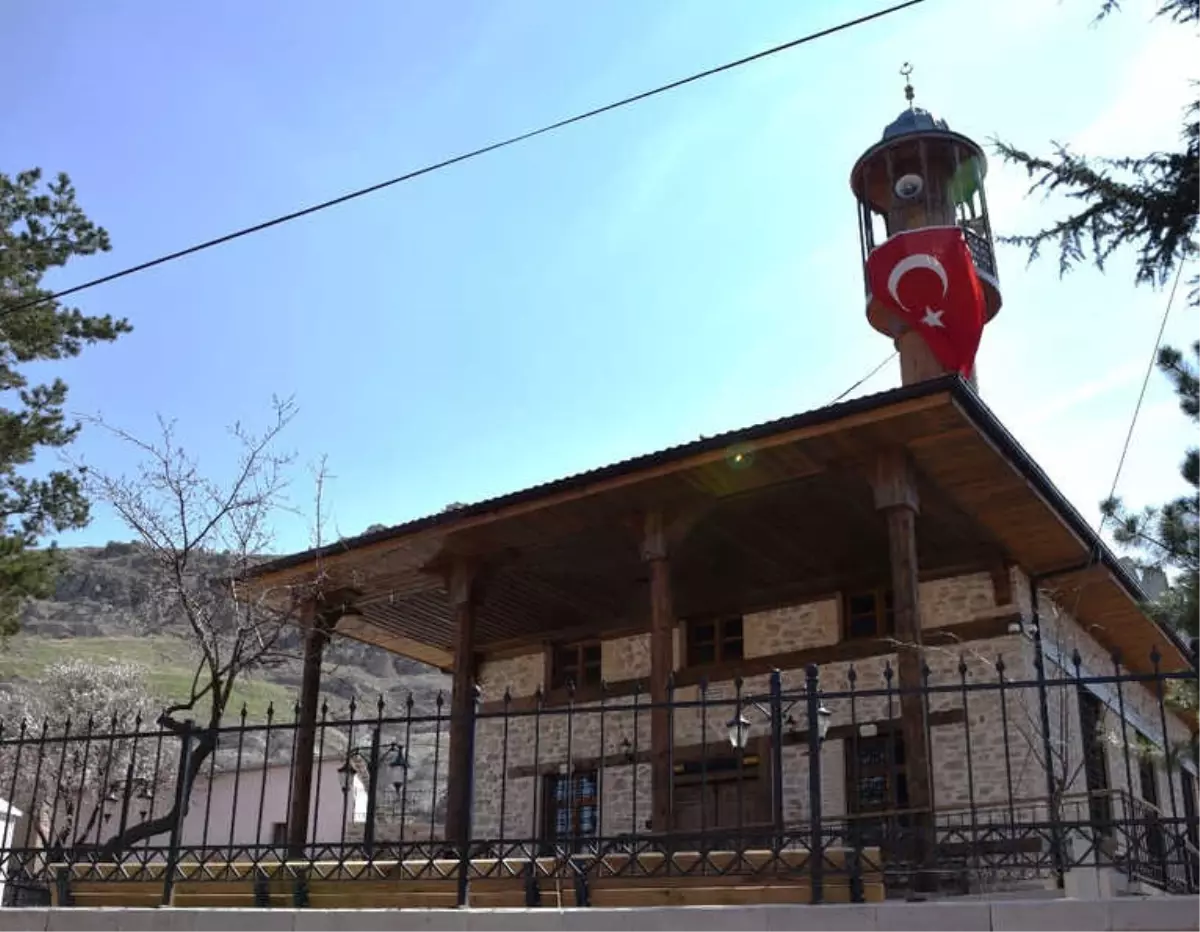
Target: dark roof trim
column 991, row 425
column 811, row 418
column 1099, row 552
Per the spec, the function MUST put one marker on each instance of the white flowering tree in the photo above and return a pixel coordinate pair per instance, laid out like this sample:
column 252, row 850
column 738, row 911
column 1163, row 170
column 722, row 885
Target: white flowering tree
column 77, row 743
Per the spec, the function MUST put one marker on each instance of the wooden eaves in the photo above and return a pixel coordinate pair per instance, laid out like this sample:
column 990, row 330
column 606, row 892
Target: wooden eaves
column 779, row 512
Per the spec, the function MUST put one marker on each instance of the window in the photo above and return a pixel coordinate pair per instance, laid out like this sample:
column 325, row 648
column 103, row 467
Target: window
column 875, row 774
column 576, row 663
column 870, row 614
column 1095, row 765
column 714, row 641
column 877, row 782
column 571, row 803
column 1155, row 842
column 1187, row 786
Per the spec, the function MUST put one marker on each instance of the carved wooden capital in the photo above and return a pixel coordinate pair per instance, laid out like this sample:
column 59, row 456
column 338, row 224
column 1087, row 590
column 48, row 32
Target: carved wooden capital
column 654, row 537
column 664, row 529
column 894, row 482
column 462, row 576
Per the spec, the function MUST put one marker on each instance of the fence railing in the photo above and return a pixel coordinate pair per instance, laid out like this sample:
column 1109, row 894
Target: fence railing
column 1035, row 770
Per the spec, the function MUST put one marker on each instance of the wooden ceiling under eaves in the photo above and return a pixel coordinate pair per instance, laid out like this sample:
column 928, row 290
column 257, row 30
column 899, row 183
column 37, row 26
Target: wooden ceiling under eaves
column 779, row 513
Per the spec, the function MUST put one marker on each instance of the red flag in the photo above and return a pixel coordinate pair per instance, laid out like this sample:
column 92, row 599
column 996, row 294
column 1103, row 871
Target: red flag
column 927, row 278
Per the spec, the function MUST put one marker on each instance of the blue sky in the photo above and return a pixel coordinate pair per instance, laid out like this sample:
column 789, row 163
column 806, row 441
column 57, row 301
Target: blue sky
column 684, row 266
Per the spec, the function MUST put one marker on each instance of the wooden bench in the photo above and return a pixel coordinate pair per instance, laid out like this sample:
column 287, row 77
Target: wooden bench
column 618, row 880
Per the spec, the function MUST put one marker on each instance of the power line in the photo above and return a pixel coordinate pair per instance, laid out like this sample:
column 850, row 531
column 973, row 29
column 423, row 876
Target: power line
column 446, row 163
column 863, row 379
column 1137, row 410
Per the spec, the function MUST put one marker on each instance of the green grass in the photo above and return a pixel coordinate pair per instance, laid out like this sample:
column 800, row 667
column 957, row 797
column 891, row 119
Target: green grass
column 169, row 664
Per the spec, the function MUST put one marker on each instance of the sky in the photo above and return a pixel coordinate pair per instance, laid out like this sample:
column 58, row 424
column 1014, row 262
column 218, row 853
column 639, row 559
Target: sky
column 683, row 266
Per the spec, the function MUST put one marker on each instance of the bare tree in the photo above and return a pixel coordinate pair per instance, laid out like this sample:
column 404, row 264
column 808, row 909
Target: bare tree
column 75, row 742
column 181, row 515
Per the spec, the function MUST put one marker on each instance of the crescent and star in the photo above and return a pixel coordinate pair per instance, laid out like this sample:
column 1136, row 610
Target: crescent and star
column 922, row 260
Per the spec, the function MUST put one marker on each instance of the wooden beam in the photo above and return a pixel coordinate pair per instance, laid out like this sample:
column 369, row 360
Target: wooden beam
column 662, row 663
column 462, row 592
column 361, row 628
column 700, row 602
column 979, row 629
column 895, row 487
column 846, row 651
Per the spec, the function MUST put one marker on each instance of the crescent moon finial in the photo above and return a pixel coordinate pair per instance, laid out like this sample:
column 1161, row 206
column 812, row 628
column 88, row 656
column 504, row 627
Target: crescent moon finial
column 906, row 71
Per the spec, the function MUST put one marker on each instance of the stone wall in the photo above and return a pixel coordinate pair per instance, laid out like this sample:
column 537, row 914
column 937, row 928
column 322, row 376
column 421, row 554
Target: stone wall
column 1143, row 731
column 792, row 627
column 993, row 755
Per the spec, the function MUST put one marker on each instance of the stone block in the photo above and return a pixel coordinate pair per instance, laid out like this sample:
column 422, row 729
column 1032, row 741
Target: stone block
column 217, row 920
column 20, row 920
column 665, row 918
column 833, row 917
column 1169, row 913
column 1064, row 915
column 378, row 920
column 934, row 917
column 79, row 920
column 516, row 920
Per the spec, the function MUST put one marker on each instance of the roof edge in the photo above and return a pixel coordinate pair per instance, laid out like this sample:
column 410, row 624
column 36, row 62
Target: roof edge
column 1099, row 551
column 813, row 417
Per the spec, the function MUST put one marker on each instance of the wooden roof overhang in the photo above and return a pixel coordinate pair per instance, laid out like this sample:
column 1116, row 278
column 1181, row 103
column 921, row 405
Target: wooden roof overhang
column 776, row 513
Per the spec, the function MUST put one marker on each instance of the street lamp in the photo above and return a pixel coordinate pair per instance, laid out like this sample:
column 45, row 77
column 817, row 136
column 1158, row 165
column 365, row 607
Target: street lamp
column 397, row 759
column 823, row 718
column 739, row 726
column 739, row 731
column 819, row 719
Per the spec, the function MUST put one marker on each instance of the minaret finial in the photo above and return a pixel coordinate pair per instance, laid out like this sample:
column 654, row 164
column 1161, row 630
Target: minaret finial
column 906, row 70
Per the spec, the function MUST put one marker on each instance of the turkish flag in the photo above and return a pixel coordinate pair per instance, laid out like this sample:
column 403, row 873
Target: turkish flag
column 927, row 278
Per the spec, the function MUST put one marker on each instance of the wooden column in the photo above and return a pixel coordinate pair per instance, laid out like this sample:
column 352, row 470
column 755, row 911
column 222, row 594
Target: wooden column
column 461, row 589
column 917, row 362
column 662, row 662
column 896, row 495
column 317, row 626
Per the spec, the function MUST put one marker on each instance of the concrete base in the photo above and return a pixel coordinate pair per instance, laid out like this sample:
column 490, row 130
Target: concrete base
column 1175, row 914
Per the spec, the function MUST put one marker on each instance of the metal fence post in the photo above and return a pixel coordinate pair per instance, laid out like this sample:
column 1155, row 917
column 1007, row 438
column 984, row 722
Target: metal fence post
column 816, row 846
column 466, row 821
column 1052, row 789
column 777, row 760
column 180, row 808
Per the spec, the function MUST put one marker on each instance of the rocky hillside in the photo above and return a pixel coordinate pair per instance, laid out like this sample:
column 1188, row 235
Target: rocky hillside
column 101, row 608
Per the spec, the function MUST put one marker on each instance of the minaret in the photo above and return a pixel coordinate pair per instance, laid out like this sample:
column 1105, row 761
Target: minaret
column 920, row 175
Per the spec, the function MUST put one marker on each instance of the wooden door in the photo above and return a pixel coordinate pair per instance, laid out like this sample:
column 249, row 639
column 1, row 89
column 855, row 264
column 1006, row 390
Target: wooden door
column 716, row 808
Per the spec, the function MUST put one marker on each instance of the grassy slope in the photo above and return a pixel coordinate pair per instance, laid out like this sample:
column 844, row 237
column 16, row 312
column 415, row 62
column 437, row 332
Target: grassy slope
column 167, row 659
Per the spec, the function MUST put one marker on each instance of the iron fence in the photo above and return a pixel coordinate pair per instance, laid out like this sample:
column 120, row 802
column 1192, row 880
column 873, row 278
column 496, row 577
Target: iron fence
column 1035, row 770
